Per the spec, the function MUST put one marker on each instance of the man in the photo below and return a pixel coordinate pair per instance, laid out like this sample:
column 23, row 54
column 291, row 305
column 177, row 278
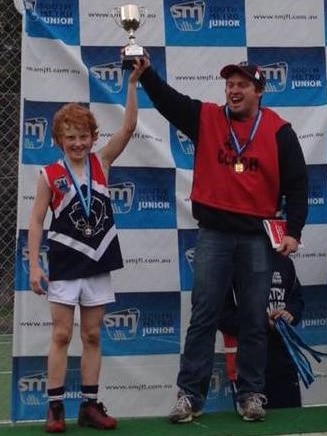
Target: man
column 285, row 301
column 246, row 159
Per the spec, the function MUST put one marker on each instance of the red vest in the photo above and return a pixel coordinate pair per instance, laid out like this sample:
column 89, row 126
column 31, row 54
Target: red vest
column 254, row 191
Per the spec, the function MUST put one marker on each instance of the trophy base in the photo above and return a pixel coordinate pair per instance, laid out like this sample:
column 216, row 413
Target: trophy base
column 130, row 53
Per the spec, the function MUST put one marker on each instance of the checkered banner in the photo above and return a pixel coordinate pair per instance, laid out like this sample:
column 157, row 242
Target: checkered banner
column 71, row 52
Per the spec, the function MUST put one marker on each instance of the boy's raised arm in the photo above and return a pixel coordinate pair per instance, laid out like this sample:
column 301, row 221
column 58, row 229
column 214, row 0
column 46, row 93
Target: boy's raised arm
column 119, row 140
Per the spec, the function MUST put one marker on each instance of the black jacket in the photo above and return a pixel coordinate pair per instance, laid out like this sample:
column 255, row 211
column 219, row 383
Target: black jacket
column 184, row 112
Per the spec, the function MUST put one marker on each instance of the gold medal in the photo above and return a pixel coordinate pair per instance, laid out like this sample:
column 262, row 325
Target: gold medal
column 238, row 167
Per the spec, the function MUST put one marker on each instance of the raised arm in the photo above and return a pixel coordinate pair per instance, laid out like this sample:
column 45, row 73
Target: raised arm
column 180, row 110
column 120, row 138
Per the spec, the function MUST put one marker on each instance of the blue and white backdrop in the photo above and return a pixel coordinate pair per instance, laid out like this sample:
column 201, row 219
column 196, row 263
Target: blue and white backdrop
column 71, row 52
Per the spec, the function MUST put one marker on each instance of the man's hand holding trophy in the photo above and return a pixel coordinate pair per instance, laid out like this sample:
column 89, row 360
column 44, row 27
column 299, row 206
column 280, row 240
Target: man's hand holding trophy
column 130, row 17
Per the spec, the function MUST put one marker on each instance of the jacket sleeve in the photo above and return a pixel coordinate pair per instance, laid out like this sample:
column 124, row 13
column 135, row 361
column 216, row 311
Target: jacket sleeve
column 295, row 302
column 293, row 180
column 179, row 109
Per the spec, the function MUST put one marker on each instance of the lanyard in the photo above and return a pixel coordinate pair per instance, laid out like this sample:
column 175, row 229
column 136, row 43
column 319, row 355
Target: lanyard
column 238, row 148
column 85, row 201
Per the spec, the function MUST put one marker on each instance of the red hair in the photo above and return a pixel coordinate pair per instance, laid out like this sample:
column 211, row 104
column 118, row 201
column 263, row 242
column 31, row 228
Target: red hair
column 73, row 114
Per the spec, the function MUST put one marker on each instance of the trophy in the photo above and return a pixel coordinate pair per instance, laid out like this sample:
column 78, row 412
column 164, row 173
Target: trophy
column 130, row 18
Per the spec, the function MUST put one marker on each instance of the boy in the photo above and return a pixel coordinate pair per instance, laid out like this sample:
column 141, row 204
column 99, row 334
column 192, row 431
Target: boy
column 285, row 301
column 84, row 248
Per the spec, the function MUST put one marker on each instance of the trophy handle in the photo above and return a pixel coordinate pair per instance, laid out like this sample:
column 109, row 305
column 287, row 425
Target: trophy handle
column 143, row 11
column 116, row 16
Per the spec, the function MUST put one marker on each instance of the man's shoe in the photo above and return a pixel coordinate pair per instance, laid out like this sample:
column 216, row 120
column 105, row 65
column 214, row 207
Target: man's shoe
column 182, row 411
column 250, row 407
column 55, row 422
column 92, row 414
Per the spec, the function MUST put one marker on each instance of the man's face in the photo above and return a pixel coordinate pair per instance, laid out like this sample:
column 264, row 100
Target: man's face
column 242, row 97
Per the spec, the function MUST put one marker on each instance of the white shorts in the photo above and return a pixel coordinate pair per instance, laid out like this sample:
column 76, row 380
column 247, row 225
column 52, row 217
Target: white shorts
column 89, row 291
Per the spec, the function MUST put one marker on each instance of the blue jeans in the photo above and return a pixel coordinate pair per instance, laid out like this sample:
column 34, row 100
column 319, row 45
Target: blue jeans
column 219, row 257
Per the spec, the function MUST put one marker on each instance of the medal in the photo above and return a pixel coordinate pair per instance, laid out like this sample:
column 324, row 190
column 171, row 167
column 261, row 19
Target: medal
column 85, row 201
column 87, row 231
column 238, row 148
column 238, row 167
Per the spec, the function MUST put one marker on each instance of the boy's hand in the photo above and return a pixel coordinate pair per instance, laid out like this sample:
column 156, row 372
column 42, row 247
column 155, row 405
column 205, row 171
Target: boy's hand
column 38, row 280
column 139, row 66
column 280, row 313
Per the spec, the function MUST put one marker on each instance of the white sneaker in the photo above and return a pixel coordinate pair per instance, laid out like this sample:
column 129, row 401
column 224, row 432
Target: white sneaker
column 182, row 411
column 250, row 407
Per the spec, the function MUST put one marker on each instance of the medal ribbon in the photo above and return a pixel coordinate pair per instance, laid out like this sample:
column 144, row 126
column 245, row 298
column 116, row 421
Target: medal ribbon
column 85, row 201
column 235, row 143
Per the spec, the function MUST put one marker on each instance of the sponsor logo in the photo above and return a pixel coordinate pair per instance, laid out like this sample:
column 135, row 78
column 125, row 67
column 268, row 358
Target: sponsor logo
column 34, row 132
column 276, row 76
column 122, row 325
column 43, row 258
column 110, row 74
column 30, row 8
column 32, row 389
column 60, row 14
column 189, row 256
column 185, row 143
column 122, row 195
column 224, row 17
column 188, row 16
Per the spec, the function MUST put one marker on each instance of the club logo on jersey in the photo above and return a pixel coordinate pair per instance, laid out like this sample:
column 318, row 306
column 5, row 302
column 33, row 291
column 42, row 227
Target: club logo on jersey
column 62, row 184
column 96, row 219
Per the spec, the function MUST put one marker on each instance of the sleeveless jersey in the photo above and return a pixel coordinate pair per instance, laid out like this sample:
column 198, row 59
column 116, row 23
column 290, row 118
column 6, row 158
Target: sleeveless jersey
column 75, row 253
column 216, row 183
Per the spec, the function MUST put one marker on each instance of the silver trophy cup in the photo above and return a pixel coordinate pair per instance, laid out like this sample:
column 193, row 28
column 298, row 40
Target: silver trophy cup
column 130, row 18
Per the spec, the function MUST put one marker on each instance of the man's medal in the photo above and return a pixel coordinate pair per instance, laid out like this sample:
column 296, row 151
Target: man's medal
column 239, row 166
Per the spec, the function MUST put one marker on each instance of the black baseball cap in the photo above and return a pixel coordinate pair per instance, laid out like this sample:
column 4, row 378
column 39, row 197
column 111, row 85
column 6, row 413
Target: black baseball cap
column 252, row 72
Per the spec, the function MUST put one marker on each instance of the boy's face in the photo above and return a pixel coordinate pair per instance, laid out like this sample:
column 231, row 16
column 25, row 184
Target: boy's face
column 76, row 142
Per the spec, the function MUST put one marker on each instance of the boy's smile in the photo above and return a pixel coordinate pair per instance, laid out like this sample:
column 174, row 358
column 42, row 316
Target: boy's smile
column 76, row 143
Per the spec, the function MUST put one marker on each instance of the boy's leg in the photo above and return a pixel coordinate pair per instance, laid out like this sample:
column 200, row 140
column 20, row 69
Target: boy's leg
column 92, row 413
column 62, row 318
column 91, row 320
column 282, row 380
